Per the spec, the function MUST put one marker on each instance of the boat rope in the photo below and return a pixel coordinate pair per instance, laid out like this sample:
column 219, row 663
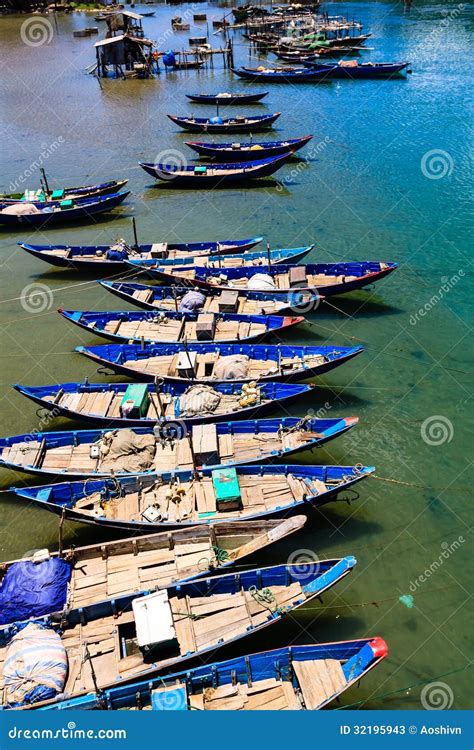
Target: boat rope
column 375, row 602
column 461, row 488
column 267, row 600
column 404, row 689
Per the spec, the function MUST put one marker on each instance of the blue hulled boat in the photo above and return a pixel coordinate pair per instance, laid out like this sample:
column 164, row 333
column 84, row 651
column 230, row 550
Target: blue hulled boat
column 165, row 447
column 101, row 402
column 282, row 75
column 113, row 258
column 131, row 637
column 58, row 212
column 211, row 363
column 214, row 175
column 354, row 70
column 289, row 678
column 248, row 150
column 212, row 300
column 227, row 97
column 250, row 124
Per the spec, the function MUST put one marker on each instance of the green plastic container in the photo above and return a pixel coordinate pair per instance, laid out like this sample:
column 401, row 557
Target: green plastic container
column 226, row 488
column 136, row 393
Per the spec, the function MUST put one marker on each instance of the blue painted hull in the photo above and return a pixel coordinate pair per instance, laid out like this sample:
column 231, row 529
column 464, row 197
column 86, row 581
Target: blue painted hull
column 247, row 151
column 88, row 191
column 363, row 71
column 273, row 395
column 234, row 98
column 282, row 75
column 121, row 357
column 216, row 175
column 62, row 498
column 84, row 209
column 322, row 430
column 230, row 125
column 357, row 658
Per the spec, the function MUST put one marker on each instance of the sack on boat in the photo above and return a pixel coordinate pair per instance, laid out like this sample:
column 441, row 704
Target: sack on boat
column 192, row 301
column 261, row 281
column 32, row 589
column 35, row 665
column 233, row 367
column 198, row 400
column 21, row 209
column 125, row 451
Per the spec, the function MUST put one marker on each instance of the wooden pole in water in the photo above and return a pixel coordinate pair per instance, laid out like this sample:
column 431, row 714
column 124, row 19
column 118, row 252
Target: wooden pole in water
column 61, row 525
column 134, row 226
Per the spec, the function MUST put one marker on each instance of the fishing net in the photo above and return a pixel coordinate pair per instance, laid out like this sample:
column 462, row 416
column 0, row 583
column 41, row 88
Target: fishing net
column 198, row 400
column 35, row 665
column 233, row 367
column 125, row 451
column 261, row 281
column 21, row 209
column 192, row 301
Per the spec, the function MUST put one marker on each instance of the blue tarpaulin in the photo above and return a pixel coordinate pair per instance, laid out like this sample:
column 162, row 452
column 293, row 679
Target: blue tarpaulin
column 33, row 589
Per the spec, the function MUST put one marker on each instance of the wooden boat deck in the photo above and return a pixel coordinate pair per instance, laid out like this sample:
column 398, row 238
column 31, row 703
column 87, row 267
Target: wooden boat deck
column 167, row 331
column 174, row 453
column 196, row 499
column 245, row 306
column 166, row 366
column 281, row 280
column 106, row 649
column 107, row 404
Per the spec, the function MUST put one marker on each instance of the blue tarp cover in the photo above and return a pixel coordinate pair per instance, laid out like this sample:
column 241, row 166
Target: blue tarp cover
column 33, row 589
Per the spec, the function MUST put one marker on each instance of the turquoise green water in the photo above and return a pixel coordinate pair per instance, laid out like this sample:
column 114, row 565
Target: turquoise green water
column 387, row 177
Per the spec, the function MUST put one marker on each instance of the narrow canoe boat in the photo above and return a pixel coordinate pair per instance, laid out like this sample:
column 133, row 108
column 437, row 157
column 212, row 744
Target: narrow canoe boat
column 176, row 403
column 244, row 151
column 282, row 75
column 136, row 326
column 291, row 678
column 227, row 97
column 165, row 447
column 114, row 257
column 214, row 175
column 324, row 278
column 59, row 212
column 211, row 363
column 44, row 583
column 356, row 71
column 213, row 300
column 302, row 55
column 152, row 266
column 185, row 65
column 188, row 498
column 109, row 644
column 41, row 196
column 250, row 124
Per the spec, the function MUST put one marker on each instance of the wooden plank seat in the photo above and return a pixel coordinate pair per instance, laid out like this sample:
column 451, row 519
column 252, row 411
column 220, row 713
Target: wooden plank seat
column 319, row 680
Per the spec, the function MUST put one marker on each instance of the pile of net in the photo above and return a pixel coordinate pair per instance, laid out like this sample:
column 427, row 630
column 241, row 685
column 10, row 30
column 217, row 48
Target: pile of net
column 198, row 400
column 233, row 367
column 31, row 589
column 21, row 209
column 125, row 451
column 35, row 665
column 262, row 281
column 192, row 301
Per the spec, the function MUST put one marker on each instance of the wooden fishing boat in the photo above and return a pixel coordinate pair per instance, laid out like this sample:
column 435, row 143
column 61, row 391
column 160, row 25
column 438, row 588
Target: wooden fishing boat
column 213, row 300
column 210, row 363
column 227, row 97
column 136, row 326
column 186, row 65
column 304, row 55
column 251, row 124
column 107, row 645
column 295, row 678
column 165, row 446
column 325, row 278
column 174, row 402
column 88, row 575
column 258, row 258
column 354, row 70
column 46, row 195
column 214, row 175
column 113, row 257
column 58, row 212
column 282, row 75
column 186, row 498
column 244, row 151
